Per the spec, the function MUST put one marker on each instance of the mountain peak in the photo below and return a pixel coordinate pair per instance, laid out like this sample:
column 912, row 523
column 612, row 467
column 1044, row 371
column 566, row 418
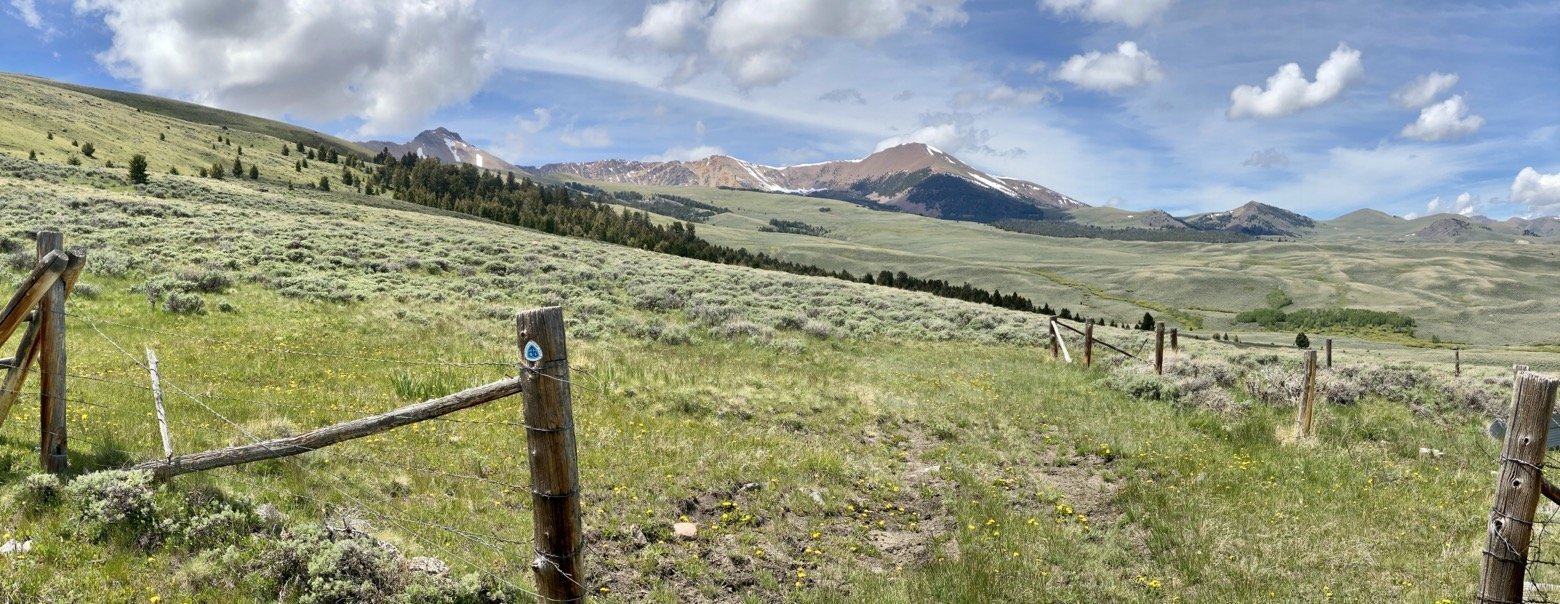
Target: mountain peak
column 446, row 146
column 441, row 132
column 914, row 177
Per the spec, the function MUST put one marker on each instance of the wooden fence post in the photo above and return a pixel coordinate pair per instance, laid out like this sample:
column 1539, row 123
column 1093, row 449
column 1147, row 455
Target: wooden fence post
column 1175, row 339
column 51, row 364
column 1504, row 565
column 157, row 401
column 1056, row 340
column 1457, row 359
column 1159, row 348
column 1329, row 353
column 555, row 475
column 1088, row 344
column 1307, row 397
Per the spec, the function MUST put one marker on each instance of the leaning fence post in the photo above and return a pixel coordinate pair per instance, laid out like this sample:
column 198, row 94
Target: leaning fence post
column 555, row 474
column 1504, row 565
column 1088, row 344
column 1307, row 397
column 51, row 364
column 1159, row 348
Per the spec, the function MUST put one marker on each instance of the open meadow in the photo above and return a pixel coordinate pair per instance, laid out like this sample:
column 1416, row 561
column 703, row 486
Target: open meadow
column 1488, row 294
column 833, row 441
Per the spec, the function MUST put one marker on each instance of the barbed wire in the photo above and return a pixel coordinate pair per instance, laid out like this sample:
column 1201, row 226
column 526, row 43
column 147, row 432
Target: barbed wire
column 295, row 351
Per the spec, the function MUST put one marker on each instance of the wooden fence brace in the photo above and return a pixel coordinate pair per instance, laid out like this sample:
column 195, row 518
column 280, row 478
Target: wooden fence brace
column 1159, row 348
column 157, row 399
column 1175, row 339
column 559, row 564
column 330, row 435
column 52, row 412
column 1062, row 342
column 1088, row 344
column 1100, row 342
column 1504, row 565
column 1307, row 397
column 27, row 351
column 32, row 291
column 1329, row 353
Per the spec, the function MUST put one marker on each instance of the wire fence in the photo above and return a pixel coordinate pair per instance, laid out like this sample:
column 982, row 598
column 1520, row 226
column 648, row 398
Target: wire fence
column 445, row 488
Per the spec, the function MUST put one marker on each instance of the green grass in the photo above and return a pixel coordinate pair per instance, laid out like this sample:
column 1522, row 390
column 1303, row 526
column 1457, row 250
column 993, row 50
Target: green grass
column 209, row 116
column 835, row 442
column 1482, row 293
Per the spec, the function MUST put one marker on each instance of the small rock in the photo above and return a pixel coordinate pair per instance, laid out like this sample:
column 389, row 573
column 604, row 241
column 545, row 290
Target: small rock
column 686, row 530
column 12, row 547
column 1428, row 452
column 431, row 566
column 269, row 514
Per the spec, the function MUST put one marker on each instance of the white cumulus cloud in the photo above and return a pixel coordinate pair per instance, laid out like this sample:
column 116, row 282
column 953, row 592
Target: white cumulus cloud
column 1536, row 189
column 586, row 138
column 1267, row 158
column 672, row 25
column 1127, row 67
column 27, row 10
column 1464, row 205
column 1424, row 90
column 1006, row 96
column 1132, row 13
column 388, row 62
column 1289, row 92
column 953, row 132
column 761, row 42
column 1445, row 120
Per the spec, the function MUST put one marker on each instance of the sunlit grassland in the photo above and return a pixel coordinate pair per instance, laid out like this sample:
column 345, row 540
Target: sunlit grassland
column 1484, row 293
column 899, row 448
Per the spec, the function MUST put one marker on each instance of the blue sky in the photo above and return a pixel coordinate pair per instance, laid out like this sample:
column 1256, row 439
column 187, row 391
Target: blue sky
column 1186, row 105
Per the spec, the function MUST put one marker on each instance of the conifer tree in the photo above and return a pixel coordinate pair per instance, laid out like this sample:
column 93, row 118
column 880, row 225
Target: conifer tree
column 138, row 169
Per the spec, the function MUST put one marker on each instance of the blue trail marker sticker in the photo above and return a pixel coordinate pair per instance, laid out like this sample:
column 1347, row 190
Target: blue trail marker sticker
column 533, row 352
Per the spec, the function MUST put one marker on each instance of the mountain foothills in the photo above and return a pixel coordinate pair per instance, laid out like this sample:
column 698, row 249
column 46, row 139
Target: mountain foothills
column 920, row 179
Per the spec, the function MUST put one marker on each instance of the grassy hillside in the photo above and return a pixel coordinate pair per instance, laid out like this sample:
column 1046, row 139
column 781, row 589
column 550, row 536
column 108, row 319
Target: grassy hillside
column 201, row 114
column 30, row 112
column 1483, row 294
column 852, row 457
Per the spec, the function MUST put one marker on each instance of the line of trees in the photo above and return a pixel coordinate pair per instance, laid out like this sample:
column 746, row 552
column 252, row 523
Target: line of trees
column 554, row 209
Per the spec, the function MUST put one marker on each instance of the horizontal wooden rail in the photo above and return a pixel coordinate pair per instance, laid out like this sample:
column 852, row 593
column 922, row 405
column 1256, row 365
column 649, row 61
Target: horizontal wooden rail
column 330, row 435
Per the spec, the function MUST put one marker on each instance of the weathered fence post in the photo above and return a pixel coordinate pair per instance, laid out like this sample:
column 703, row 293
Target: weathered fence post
column 555, row 475
column 51, row 363
column 1457, row 359
column 1504, row 565
column 1329, row 353
column 1088, row 344
column 1307, row 397
column 1159, row 348
column 157, row 400
column 1175, row 339
column 1056, row 339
